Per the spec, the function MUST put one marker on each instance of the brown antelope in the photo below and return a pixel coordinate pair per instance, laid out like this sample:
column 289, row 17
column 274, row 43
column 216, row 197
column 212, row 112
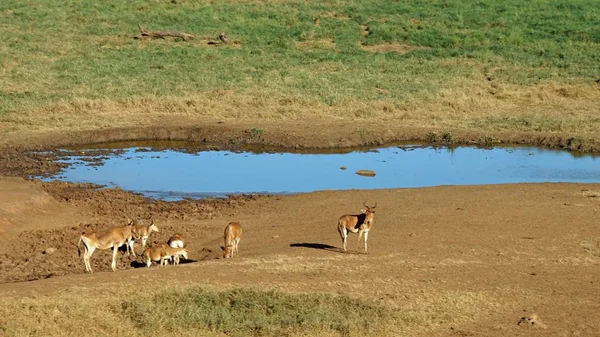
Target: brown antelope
column 113, row 238
column 153, row 254
column 177, row 240
column 233, row 234
column 162, row 254
column 140, row 231
column 360, row 224
column 174, row 254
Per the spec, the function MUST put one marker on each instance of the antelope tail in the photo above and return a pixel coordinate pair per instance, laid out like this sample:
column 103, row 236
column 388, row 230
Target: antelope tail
column 78, row 245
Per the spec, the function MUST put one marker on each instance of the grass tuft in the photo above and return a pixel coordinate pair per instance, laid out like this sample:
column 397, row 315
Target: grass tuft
column 245, row 312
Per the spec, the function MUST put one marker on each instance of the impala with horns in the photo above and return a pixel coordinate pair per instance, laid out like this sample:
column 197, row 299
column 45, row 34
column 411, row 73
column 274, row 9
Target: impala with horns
column 360, row 223
column 232, row 236
column 113, row 238
column 141, row 231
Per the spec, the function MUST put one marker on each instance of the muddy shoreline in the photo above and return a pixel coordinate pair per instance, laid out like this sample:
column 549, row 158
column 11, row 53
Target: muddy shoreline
column 38, row 154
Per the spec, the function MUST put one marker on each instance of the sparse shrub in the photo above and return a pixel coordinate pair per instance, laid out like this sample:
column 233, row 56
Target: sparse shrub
column 432, row 137
column 447, row 137
column 486, row 140
column 255, row 133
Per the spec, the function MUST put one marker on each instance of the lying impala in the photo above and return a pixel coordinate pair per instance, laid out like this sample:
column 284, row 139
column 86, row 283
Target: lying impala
column 360, row 224
column 113, row 238
column 233, row 234
column 141, row 232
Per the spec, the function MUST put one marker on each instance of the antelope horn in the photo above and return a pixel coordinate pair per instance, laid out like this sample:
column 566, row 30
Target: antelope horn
column 365, row 204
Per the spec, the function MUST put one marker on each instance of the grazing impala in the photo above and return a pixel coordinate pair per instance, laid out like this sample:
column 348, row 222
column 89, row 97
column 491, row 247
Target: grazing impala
column 140, row 231
column 233, row 234
column 162, row 254
column 154, row 254
column 360, row 224
column 114, row 238
column 174, row 254
column 176, row 240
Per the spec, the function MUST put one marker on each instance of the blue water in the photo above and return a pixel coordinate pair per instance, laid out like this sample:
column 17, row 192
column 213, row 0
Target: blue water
column 173, row 175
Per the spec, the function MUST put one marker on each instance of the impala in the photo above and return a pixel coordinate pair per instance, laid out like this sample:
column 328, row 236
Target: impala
column 233, row 234
column 141, row 232
column 162, row 254
column 360, row 224
column 113, row 238
column 177, row 240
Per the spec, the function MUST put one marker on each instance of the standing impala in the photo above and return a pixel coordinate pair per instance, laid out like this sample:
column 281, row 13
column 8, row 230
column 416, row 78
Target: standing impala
column 360, row 224
column 232, row 236
column 113, row 238
column 141, row 231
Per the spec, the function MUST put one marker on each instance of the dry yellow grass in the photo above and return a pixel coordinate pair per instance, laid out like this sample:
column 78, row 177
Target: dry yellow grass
column 471, row 105
column 390, row 47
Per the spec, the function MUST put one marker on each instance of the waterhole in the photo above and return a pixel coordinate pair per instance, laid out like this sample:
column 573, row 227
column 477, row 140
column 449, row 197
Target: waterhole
column 173, row 174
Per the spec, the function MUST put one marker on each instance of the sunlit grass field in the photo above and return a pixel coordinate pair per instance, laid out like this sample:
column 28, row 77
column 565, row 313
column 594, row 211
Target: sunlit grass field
column 489, row 65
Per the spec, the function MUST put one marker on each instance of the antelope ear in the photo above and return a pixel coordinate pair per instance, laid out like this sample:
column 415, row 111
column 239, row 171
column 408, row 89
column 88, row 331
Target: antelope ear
column 363, row 211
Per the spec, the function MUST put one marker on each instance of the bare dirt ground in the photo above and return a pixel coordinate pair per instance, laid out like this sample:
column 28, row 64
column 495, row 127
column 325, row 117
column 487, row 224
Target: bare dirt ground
column 475, row 259
column 467, row 261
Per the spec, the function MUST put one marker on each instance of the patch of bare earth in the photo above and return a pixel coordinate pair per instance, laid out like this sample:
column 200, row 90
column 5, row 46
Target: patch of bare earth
column 391, row 47
column 453, row 260
column 316, row 44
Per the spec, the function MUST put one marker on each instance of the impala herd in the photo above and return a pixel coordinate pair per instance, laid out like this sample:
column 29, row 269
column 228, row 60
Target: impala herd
column 174, row 249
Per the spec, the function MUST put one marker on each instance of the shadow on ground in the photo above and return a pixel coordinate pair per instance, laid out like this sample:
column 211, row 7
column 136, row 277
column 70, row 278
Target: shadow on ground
column 321, row 246
column 138, row 264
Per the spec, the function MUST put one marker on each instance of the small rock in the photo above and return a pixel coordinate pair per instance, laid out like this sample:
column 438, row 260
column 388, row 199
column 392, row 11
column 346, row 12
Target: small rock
column 366, row 173
column 533, row 321
column 275, row 236
column 411, row 235
column 50, row 250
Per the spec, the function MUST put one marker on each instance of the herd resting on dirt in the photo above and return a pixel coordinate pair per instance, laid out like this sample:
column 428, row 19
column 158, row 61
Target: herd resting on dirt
column 174, row 249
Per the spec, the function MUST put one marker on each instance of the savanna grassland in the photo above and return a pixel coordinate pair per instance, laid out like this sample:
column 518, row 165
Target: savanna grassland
column 443, row 261
column 488, row 67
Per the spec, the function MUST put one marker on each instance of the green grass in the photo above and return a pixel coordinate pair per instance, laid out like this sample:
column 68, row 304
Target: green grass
column 60, row 51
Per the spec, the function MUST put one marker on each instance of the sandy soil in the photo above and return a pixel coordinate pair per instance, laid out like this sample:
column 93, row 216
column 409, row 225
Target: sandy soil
column 472, row 260
column 487, row 254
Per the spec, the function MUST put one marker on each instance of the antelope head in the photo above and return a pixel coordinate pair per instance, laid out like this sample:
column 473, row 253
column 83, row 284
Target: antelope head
column 369, row 211
column 152, row 227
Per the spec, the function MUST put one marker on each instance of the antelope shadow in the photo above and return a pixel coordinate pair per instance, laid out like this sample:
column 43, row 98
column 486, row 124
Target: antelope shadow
column 314, row 245
column 138, row 264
